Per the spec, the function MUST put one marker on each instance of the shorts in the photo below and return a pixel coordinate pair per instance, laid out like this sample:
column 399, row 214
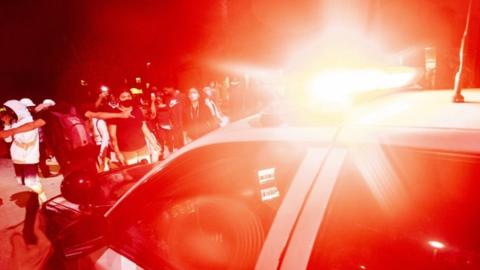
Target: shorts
column 27, row 174
column 137, row 156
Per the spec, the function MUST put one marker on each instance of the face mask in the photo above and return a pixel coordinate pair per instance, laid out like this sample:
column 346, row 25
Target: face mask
column 126, row 103
column 193, row 96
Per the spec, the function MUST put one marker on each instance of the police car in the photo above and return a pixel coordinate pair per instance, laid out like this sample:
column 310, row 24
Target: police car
column 392, row 184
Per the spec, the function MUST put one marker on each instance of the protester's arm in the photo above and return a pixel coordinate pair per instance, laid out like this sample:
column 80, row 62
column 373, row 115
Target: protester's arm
column 210, row 119
column 7, row 138
column 149, row 135
column 108, row 115
column 26, row 139
column 103, row 131
column 112, row 129
column 23, row 128
column 153, row 108
column 209, row 105
column 100, row 99
column 185, row 127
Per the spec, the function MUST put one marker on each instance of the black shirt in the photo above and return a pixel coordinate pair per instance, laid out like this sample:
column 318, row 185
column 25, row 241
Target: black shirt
column 129, row 131
column 44, row 131
column 198, row 120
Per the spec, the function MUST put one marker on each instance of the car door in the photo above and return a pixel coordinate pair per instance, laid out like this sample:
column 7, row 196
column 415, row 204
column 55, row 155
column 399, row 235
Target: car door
column 214, row 207
column 398, row 208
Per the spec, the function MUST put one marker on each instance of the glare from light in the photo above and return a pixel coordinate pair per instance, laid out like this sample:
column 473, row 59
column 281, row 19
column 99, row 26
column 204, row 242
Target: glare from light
column 381, row 114
column 337, row 88
column 136, row 91
column 377, row 171
column 436, row 244
column 104, row 88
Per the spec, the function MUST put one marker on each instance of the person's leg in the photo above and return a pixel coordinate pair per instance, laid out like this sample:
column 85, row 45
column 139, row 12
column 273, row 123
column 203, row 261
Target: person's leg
column 102, row 165
column 169, row 140
column 43, row 161
column 174, row 137
column 161, row 140
column 19, row 173
column 30, row 217
column 33, row 181
column 23, row 174
column 166, row 142
column 154, row 152
column 181, row 141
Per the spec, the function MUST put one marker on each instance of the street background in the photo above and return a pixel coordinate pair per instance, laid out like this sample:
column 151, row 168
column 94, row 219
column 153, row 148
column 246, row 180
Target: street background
column 13, row 199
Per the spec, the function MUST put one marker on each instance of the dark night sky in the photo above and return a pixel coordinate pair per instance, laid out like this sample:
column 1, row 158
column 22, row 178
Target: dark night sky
column 47, row 46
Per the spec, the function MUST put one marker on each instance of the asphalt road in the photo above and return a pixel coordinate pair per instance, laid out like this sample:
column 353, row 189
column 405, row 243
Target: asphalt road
column 13, row 198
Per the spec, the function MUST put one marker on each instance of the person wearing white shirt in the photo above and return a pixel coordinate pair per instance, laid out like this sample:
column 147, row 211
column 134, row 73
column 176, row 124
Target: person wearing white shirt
column 24, row 149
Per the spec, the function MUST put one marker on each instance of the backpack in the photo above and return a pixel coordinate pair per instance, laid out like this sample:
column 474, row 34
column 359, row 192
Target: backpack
column 72, row 142
column 74, row 131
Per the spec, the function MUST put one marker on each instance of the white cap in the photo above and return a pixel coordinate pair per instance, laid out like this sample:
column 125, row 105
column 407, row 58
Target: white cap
column 48, row 102
column 27, row 102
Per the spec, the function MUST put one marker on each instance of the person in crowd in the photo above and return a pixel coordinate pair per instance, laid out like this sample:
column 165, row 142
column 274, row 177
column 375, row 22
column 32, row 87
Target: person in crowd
column 176, row 104
column 49, row 116
column 24, row 149
column 98, row 121
column 163, row 128
column 47, row 103
column 150, row 113
column 198, row 118
column 102, row 140
column 105, row 101
column 41, row 113
column 36, row 112
column 39, row 122
column 29, row 104
column 128, row 135
column 237, row 98
column 28, row 234
column 215, row 110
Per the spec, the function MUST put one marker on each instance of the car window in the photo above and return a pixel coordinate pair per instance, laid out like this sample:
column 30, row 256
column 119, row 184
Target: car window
column 397, row 208
column 210, row 209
